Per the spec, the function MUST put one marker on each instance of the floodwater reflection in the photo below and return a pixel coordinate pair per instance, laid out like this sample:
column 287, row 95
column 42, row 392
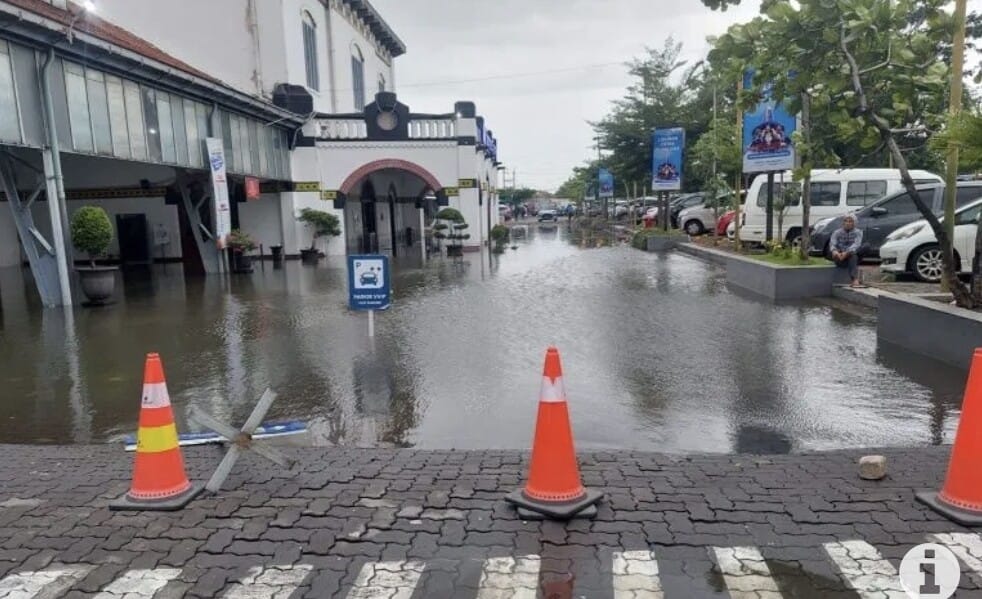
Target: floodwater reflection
column 658, row 355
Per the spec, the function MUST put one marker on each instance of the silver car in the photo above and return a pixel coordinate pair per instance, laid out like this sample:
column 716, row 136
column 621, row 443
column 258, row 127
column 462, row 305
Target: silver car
column 701, row 218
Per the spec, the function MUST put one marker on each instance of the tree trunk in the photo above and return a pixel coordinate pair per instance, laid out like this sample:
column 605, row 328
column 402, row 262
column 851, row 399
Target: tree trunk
column 806, row 192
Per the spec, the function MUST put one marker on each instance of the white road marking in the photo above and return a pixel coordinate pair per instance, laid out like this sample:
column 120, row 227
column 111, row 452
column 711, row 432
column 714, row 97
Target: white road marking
column 387, row 580
column 865, row 570
column 277, row 582
column 45, row 584
column 636, row 575
column 139, row 584
column 746, row 573
column 966, row 546
column 510, row 578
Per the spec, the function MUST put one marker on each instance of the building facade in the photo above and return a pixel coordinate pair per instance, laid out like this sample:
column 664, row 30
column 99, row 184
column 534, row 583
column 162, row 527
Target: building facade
column 301, row 94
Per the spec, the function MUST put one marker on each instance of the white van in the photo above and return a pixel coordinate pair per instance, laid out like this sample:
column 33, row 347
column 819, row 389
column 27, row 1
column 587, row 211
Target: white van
column 833, row 193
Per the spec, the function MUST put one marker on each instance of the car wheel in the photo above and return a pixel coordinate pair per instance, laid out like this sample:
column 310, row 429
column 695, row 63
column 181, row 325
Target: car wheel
column 926, row 264
column 693, row 227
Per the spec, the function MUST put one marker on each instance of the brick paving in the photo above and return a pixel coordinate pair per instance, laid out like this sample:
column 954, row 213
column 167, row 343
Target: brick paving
column 413, row 524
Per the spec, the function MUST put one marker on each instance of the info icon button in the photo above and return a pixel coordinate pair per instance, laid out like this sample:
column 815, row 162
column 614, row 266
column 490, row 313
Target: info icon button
column 930, row 571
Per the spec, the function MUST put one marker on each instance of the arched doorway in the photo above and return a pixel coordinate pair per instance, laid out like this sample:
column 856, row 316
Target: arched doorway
column 384, row 211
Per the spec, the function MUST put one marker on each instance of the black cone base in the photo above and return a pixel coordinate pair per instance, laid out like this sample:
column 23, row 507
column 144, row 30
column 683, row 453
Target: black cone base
column 963, row 517
column 173, row 504
column 532, row 509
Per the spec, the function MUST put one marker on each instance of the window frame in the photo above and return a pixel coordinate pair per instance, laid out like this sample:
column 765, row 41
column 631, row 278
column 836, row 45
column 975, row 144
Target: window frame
column 358, row 76
column 308, row 26
column 866, row 183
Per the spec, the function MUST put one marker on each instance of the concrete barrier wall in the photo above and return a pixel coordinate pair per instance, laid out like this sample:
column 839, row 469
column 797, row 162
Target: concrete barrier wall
column 929, row 328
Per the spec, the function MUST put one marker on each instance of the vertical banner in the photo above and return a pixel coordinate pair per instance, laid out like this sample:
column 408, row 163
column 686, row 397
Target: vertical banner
column 605, row 179
column 666, row 159
column 219, row 185
column 767, row 133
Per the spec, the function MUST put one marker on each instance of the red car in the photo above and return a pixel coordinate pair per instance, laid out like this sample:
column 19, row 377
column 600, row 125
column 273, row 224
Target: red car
column 724, row 222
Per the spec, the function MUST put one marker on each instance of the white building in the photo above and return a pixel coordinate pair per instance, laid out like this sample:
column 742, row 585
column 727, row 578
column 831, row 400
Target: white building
column 300, row 91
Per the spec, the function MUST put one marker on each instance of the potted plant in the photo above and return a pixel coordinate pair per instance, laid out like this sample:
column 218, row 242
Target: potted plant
column 92, row 232
column 452, row 227
column 324, row 224
column 500, row 235
column 240, row 243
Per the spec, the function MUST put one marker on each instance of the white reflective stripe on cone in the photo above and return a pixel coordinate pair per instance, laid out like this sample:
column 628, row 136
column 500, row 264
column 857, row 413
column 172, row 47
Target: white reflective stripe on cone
column 155, row 395
column 552, row 392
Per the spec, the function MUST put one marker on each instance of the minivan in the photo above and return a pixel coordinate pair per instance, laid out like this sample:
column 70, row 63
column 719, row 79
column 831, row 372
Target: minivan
column 833, row 191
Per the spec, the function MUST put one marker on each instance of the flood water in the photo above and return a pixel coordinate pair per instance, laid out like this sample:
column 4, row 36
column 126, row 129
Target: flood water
column 658, row 355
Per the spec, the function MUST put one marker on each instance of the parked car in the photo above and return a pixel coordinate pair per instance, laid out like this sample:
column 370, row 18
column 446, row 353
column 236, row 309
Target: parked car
column 724, row 222
column 731, row 229
column 914, row 249
column 681, row 203
column 833, row 192
column 700, row 218
column 643, row 204
column 621, row 210
column 548, row 215
column 504, row 212
column 888, row 214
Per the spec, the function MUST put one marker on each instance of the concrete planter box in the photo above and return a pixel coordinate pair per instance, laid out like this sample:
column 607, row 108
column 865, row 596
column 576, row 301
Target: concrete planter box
column 940, row 331
column 717, row 257
column 662, row 243
column 779, row 282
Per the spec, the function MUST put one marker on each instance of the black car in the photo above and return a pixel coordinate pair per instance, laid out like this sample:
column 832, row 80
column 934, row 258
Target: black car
column 888, row 214
column 681, row 203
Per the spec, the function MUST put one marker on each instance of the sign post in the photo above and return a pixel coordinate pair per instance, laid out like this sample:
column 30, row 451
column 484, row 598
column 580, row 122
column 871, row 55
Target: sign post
column 219, row 186
column 666, row 166
column 369, row 286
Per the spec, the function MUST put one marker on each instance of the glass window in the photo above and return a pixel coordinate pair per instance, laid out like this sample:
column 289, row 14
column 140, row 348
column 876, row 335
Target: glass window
column 226, row 133
column 966, row 194
column 968, row 217
column 778, row 190
column 358, row 77
column 134, row 120
column 99, row 109
column 180, row 130
column 117, row 116
column 166, row 122
column 310, row 51
column 901, row 204
column 78, row 107
column 826, row 194
column 28, row 94
column 201, row 111
column 191, row 131
column 151, row 121
column 9, row 120
column 863, row 193
column 265, row 144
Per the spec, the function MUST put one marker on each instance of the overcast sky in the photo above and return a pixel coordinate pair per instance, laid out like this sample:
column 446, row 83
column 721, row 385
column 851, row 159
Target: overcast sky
column 540, row 119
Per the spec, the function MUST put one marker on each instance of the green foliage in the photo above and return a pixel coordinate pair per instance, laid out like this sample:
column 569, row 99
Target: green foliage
column 323, row 223
column 450, row 214
column 453, row 226
column 788, row 258
column 92, row 231
column 499, row 233
column 514, row 196
column 965, row 130
column 640, row 238
column 240, row 241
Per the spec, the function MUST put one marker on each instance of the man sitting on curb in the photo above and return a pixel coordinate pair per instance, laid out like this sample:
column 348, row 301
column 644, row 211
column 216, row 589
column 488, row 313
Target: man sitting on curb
column 844, row 246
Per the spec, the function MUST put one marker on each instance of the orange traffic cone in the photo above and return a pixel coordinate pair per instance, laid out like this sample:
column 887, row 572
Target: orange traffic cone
column 960, row 498
column 159, row 480
column 554, row 488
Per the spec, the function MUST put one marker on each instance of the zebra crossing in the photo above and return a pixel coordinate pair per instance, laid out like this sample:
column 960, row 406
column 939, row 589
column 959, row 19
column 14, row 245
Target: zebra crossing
column 744, row 572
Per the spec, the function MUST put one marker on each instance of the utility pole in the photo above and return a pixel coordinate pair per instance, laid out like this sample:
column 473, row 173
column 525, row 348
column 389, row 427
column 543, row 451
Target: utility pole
column 599, row 159
column 955, row 107
column 739, row 177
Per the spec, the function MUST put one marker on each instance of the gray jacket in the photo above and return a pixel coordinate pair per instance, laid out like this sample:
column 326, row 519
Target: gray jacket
column 846, row 241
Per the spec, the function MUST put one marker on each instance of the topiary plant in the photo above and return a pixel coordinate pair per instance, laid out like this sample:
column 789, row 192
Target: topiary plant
column 455, row 231
column 324, row 224
column 240, row 242
column 92, row 232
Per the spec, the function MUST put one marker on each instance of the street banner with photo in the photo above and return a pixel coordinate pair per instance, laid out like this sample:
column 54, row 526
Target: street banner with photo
column 606, row 180
column 767, row 131
column 666, row 162
column 219, row 184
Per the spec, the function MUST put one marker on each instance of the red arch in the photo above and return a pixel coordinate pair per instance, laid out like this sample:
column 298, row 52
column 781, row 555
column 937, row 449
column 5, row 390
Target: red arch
column 390, row 163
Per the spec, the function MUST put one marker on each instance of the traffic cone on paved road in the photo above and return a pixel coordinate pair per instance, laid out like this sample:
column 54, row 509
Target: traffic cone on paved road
column 159, row 481
column 960, row 499
column 554, row 489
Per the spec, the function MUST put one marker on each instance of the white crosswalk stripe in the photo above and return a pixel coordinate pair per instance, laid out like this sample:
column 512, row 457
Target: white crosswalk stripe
column 510, row 578
column 388, row 580
column 44, row 584
column 277, row 582
column 139, row 584
column 636, row 575
column 865, row 570
column 746, row 573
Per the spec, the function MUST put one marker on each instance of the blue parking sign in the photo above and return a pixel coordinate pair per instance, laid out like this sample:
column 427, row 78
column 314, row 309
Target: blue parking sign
column 369, row 282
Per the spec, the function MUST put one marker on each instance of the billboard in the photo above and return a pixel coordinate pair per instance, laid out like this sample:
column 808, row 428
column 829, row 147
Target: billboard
column 606, row 180
column 219, row 183
column 767, row 130
column 666, row 159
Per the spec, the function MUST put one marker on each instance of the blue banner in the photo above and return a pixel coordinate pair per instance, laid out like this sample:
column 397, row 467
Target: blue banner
column 767, row 130
column 369, row 286
column 606, row 180
column 666, row 159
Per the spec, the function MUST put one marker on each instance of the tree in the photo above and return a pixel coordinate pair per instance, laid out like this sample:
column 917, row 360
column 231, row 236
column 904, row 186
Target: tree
column 324, row 224
column 872, row 71
column 510, row 195
column 92, row 232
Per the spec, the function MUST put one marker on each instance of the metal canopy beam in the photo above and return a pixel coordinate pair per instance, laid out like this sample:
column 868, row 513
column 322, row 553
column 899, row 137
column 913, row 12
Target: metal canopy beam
column 210, row 257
